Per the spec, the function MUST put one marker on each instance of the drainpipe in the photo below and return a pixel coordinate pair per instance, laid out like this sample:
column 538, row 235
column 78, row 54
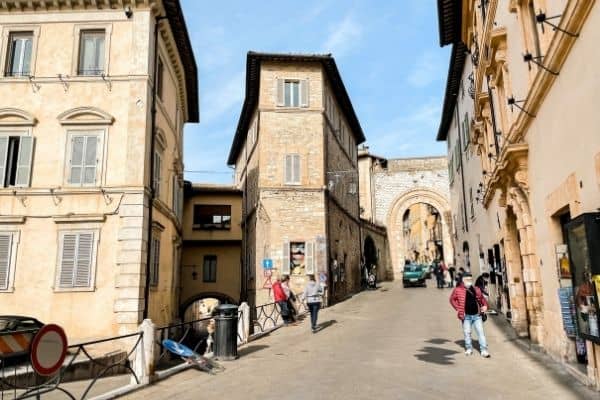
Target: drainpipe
column 151, row 170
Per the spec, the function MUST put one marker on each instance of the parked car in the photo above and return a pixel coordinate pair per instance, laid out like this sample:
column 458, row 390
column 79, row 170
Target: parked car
column 414, row 275
column 428, row 270
column 26, row 326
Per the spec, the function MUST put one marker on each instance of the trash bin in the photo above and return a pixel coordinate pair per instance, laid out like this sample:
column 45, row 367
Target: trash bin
column 226, row 324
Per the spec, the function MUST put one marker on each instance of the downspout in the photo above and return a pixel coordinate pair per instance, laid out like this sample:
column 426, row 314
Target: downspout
column 151, row 169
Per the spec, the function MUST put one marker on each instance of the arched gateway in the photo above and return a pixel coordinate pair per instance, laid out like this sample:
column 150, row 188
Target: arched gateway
column 411, row 198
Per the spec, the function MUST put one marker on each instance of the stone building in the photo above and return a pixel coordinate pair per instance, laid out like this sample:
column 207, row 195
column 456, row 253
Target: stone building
column 389, row 189
column 530, row 71
column 295, row 157
column 94, row 98
column 211, row 265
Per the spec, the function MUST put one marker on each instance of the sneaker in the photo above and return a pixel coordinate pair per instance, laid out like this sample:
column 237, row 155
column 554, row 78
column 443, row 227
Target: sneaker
column 485, row 354
column 468, row 352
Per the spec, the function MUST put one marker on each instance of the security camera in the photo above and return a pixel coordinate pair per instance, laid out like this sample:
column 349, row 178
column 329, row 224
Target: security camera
column 128, row 11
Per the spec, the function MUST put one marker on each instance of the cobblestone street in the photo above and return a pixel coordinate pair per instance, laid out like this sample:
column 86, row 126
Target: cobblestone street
column 391, row 344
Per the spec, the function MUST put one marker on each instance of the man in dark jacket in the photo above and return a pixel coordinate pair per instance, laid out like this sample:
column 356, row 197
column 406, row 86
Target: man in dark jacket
column 470, row 304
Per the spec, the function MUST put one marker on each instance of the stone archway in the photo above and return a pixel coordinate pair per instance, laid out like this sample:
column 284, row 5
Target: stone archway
column 395, row 226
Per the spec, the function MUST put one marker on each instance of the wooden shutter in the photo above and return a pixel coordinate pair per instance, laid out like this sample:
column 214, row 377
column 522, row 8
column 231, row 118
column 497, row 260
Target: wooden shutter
column 24, row 161
column 296, row 168
column 5, row 253
column 304, row 93
column 67, row 260
column 280, row 100
column 3, row 157
column 310, row 258
column 156, row 173
column 90, row 160
column 83, row 264
column 285, row 259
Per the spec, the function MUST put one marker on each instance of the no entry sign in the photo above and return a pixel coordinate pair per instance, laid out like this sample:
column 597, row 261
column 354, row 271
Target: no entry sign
column 48, row 350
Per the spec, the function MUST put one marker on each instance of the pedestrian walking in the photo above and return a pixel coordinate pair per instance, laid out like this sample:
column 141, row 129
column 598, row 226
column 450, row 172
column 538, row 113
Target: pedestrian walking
column 452, row 272
column 439, row 275
column 290, row 298
column 481, row 282
column 461, row 272
column 281, row 300
column 471, row 306
column 312, row 296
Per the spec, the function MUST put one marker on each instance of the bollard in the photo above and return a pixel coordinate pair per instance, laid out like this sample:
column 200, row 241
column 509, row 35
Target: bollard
column 226, row 323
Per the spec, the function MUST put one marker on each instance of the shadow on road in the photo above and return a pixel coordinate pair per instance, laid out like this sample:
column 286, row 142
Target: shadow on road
column 327, row 324
column 251, row 349
column 437, row 341
column 461, row 344
column 436, row 355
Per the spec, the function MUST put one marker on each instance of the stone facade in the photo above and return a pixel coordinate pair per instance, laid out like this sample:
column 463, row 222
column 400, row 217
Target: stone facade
column 297, row 167
column 533, row 176
column 53, row 105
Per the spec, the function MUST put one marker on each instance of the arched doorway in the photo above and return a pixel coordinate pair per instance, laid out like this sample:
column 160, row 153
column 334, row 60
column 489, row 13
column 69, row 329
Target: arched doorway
column 202, row 305
column 370, row 251
column 419, row 224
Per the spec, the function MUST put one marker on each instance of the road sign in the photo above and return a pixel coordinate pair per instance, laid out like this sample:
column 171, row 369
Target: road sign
column 177, row 348
column 267, row 263
column 15, row 343
column 48, row 350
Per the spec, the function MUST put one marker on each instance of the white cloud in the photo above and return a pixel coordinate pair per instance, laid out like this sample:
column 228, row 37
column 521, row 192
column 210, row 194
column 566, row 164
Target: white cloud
column 220, row 98
column 426, row 69
column 343, row 36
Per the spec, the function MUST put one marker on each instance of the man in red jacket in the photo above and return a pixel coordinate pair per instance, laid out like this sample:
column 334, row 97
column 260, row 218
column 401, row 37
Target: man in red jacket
column 281, row 299
column 470, row 304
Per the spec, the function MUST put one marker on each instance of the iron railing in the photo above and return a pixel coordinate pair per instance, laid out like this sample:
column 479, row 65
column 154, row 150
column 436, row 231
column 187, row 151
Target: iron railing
column 268, row 317
column 20, row 381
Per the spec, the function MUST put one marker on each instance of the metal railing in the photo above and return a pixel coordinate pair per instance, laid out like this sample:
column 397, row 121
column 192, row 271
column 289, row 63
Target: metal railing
column 20, row 381
column 193, row 334
column 267, row 317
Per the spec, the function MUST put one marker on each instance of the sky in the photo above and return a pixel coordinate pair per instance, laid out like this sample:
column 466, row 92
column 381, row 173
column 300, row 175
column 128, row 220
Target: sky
column 387, row 53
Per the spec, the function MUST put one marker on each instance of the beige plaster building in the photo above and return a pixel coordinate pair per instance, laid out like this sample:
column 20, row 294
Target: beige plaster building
column 295, row 157
column 91, row 120
column 532, row 125
column 212, row 245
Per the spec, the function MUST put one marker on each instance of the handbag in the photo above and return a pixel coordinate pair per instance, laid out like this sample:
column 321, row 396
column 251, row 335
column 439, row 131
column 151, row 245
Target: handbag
column 483, row 316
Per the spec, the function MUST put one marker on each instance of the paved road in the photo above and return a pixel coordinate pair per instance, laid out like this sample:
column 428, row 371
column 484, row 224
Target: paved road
column 391, row 344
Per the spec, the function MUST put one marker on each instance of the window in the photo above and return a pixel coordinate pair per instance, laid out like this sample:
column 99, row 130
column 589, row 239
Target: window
column 76, row 259
column 177, row 205
column 154, row 260
column 7, row 241
column 156, row 173
column 292, row 93
column 91, row 52
column 20, row 46
column 209, row 269
column 15, row 160
column 83, row 161
column 213, row 216
column 292, row 169
column 534, row 29
column 159, row 79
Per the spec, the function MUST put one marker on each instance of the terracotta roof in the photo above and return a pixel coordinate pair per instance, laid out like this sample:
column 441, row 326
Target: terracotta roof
column 253, row 85
column 184, row 47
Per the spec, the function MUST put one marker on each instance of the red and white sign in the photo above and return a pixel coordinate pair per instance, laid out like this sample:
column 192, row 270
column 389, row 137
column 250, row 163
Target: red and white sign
column 48, row 350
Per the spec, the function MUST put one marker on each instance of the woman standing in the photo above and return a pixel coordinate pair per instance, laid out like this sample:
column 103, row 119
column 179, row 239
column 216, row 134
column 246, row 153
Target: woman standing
column 312, row 296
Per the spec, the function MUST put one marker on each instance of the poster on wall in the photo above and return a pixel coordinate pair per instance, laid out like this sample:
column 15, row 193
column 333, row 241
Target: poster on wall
column 562, row 257
column 298, row 258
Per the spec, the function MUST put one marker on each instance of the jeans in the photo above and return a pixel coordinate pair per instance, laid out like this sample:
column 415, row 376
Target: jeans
column 285, row 312
column 314, row 312
column 476, row 322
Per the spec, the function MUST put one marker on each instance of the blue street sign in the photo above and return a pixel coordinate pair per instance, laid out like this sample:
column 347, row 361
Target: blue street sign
column 267, row 263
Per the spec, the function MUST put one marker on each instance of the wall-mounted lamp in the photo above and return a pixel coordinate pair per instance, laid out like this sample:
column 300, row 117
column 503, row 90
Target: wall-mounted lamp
column 128, row 11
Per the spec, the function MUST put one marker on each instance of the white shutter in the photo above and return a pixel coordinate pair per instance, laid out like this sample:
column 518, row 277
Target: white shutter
column 5, row 252
column 304, row 93
column 90, row 160
column 296, row 168
column 83, row 264
column 24, row 161
column 3, row 158
column 285, row 259
column 280, row 101
column 67, row 260
column 156, row 173
column 289, row 168
column 310, row 259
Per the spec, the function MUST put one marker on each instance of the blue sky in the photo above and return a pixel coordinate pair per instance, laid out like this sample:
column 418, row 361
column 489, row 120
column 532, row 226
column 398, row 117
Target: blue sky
column 387, row 53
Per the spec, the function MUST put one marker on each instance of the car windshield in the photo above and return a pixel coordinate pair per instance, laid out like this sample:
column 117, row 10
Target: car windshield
column 412, row 268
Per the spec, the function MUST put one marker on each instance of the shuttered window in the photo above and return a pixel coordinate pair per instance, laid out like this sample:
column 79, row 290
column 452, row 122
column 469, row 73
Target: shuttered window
column 292, row 169
column 6, row 240
column 292, row 93
column 83, row 160
column 91, row 52
column 177, row 205
column 16, row 156
column 154, row 261
column 20, row 45
column 310, row 258
column 76, row 259
column 209, row 269
column 156, row 174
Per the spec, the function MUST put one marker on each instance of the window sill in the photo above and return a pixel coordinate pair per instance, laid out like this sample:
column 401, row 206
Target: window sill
column 9, row 290
column 76, row 289
column 292, row 184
